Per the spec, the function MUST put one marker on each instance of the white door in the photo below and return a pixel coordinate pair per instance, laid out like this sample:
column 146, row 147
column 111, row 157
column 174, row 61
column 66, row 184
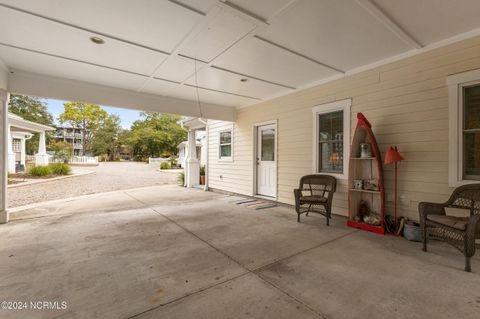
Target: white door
column 266, row 160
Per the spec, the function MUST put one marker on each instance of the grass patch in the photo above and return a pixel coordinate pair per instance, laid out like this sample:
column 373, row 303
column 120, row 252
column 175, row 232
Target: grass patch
column 165, row 165
column 40, row 171
column 60, row 169
column 181, row 179
column 50, row 170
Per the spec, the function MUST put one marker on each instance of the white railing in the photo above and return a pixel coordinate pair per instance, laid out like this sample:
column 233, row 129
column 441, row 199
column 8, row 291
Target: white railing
column 84, row 160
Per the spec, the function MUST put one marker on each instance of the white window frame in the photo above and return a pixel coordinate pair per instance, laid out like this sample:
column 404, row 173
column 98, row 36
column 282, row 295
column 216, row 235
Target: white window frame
column 342, row 105
column 16, row 145
column 226, row 158
column 456, row 83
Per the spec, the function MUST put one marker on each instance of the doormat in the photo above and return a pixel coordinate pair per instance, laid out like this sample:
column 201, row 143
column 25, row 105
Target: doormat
column 255, row 204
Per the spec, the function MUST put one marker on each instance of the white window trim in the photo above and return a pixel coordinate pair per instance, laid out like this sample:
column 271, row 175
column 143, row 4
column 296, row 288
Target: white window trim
column 455, row 84
column 342, row 105
column 226, row 158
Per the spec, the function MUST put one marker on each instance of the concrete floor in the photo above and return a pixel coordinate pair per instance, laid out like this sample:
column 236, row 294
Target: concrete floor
column 169, row 252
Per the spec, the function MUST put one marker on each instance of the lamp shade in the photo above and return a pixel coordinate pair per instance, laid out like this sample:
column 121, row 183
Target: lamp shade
column 393, row 156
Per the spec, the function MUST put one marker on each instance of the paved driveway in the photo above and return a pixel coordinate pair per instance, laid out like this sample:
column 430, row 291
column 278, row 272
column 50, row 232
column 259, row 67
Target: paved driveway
column 108, row 176
column 171, row 252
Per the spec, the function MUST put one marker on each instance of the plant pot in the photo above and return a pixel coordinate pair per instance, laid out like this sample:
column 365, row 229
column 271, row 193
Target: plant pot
column 412, row 231
column 202, row 179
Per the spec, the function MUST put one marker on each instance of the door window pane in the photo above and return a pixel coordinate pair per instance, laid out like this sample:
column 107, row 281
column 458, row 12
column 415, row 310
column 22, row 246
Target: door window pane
column 268, row 145
column 330, row 139
column 471, row 132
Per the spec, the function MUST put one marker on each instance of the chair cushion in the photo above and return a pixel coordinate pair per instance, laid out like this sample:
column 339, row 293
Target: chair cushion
column 451, row 221
column 315, row 199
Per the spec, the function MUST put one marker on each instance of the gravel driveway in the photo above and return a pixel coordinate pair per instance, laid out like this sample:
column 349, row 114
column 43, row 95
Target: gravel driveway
column 107, row 177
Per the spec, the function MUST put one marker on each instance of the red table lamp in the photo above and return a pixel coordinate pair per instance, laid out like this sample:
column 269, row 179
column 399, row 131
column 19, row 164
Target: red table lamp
column 393, row 157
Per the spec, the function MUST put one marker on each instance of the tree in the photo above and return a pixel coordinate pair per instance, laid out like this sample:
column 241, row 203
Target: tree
column 84, row 116
column 156, row 135
column 63, row 150
column 105, row 140
column 31, row 109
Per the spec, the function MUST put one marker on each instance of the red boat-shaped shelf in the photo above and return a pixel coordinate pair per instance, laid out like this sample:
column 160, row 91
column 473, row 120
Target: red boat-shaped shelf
column 365, row 181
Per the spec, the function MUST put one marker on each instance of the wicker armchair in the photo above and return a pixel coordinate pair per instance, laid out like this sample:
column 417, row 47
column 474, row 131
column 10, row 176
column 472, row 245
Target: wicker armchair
column 315, row 195
column 460, row 232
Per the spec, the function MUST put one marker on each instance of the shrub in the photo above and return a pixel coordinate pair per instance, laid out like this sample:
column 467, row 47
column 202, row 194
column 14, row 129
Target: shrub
column 181, row 179
column 39, row 171
column 60, row 169
column 63, row 155
column 202, row 170
column 165, row 165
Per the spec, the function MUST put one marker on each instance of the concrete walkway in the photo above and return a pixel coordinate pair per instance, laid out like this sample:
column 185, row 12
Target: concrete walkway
column 169, row 252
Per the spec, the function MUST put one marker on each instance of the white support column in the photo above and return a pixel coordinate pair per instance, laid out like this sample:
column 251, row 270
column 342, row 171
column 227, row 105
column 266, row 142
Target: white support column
column 192, row 169
column 23, row 152
column 11, row 154
column 3, row 155
column 41, row 158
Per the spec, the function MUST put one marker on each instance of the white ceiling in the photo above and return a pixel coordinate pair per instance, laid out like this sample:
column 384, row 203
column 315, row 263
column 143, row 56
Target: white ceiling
column 170, row 47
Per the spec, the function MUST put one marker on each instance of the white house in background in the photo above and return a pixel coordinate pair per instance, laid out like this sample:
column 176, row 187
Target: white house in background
column 201, row 142
column 71, row 135
column 20, row 130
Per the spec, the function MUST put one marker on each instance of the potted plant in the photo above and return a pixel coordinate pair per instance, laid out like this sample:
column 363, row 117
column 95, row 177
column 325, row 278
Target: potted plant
column 202, row 175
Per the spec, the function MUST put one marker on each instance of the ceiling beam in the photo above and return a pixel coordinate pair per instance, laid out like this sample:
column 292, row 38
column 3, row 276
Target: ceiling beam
column 34, row 84
column 200, row 26
column 299, row 54
column 388, row 22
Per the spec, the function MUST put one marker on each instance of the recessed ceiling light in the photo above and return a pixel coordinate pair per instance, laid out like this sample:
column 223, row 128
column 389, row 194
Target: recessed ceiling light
column 97, row 40
column 244, row 80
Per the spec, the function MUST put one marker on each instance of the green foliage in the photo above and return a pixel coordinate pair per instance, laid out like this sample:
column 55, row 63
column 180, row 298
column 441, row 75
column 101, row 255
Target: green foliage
column 87, row 117
column 165, row 165
column 59, row 146
column 105, row 140
column 63, row 150
column 11, row 175
column 31, row 109
column 63, row 155
column 181, row 179
column 39, row 171
column 202, row 170
column 60, row 168
column 155, row 135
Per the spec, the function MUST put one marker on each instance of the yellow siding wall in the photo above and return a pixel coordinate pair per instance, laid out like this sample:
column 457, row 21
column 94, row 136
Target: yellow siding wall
column 407, row 103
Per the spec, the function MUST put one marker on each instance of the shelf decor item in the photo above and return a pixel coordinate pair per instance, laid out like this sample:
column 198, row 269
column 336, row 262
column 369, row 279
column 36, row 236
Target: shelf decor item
column 365, row 150
column 366, row 165
column 393, row 157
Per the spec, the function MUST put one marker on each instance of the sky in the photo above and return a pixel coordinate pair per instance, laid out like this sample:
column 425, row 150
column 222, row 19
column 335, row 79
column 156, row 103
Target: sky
column 126, row 116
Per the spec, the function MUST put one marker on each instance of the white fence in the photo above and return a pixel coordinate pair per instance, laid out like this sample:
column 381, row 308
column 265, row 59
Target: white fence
column 84, row 160
column 157, row 160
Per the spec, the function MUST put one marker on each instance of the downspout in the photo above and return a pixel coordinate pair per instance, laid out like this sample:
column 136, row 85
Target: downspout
column 207, row 146
column 185, row 175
